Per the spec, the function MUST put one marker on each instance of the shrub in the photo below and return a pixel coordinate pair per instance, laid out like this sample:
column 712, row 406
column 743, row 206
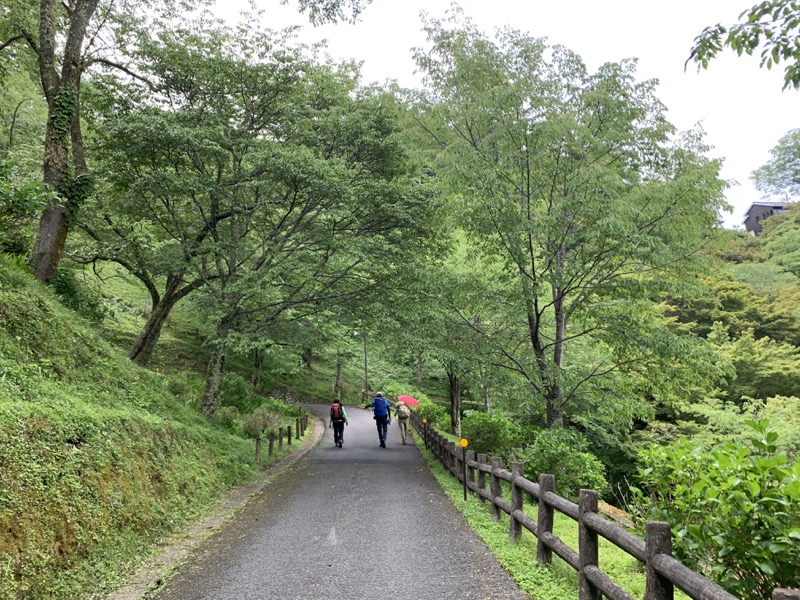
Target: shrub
column 229, row 418
column 564, row 454
column 734, row 511
column 437, row 415
column 490, row 433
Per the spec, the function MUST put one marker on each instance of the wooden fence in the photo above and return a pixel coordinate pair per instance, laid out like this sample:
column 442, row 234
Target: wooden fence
column 664, row 572
column 300, row 426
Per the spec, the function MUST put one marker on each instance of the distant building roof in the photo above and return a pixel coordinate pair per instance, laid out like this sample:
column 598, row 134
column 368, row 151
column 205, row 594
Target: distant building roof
column 761, row 210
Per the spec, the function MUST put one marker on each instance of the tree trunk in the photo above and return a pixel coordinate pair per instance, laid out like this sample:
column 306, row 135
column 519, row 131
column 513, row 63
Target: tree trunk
column 216, row 365
column 337, row 386
column 145, row 343
column 455, row 403
column 143, row 346
column 308, row 356
column 62, row 92
column 258, row 363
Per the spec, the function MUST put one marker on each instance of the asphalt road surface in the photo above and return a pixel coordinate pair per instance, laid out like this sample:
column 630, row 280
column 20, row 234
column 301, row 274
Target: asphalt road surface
column 354, row 523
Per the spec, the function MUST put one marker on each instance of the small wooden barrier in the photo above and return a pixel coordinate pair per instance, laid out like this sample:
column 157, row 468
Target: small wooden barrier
column 664, row 572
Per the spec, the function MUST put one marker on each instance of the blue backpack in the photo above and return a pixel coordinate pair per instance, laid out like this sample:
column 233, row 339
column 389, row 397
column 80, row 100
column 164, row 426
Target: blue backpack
column 380, row 406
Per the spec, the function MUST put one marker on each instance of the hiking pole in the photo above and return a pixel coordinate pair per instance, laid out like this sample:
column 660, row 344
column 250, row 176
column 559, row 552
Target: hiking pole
column 464, row 444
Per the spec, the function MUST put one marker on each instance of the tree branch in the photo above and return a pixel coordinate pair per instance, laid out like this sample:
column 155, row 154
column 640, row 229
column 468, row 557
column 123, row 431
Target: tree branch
column 114, row 65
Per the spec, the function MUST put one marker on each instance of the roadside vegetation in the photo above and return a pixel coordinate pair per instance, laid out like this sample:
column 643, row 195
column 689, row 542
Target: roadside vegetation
column 233, row 223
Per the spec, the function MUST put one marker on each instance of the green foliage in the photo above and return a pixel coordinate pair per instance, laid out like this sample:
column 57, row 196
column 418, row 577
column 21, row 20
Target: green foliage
column 437, row 415
column 764, row 367
column 331, row 11
column 99, row 458
column 557, row 582
column 772, row 24
column 563, row 453
column 780, row 239
column 780, row 176
column 20, row 202
column 490, row 433
column 739, row 307
column 552, row 166
column 81, row 295
column 734, row 511
column 65, row 106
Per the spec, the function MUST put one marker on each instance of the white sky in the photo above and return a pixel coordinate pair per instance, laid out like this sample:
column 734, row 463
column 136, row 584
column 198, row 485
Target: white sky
column 741, row 107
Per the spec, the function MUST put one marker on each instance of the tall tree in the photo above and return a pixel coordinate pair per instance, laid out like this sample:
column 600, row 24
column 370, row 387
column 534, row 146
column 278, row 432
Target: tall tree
column 68, row 38
column 572, row 179
column 780, row 176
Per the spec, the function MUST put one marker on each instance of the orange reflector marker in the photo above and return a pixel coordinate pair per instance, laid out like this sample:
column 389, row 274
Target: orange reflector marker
column 464, row 443
column 424, row 420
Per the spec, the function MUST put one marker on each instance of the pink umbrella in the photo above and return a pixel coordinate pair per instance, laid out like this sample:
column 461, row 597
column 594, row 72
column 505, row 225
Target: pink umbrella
column 408, row 400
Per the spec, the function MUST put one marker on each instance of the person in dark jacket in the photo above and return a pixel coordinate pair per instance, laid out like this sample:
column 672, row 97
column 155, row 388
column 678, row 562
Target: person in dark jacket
column 382, row 416
column 338, row 421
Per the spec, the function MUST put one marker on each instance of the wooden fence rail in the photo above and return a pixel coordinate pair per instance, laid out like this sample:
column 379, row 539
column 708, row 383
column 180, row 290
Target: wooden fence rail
column 664, row 572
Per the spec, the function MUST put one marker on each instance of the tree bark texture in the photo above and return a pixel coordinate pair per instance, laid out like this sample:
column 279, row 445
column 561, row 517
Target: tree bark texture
column 62, row 134
column 143, row 346
column 258, row 363
column 216, row 366
column 455, row 403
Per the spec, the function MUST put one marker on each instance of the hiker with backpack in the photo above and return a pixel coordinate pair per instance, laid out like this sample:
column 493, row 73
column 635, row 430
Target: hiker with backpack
column 380, row 411
column 338, row 421
column 403, row 413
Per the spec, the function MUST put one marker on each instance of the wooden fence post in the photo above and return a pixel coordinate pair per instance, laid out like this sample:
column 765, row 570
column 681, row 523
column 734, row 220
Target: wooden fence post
column 452, row 459
column 588, row 548
column 496, row 487
column 515, row 527
column 547, row 483
column 289, row 434
column 271, row 442
column 258, row 450
column 658, row 540
column 481, row 477
column 280, row 438
column 297, row 428
column 470, row 469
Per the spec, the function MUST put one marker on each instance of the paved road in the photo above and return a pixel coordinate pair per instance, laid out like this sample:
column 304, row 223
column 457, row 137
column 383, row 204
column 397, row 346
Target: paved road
column 354, row 523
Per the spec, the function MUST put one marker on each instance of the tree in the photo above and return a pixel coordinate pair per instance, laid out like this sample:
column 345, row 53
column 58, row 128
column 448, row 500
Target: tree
column 571, row 180
column 773, row 24
column 72, row 37
column 781, row 175
column 780, row 240
column 269, row 182
column 330, row 11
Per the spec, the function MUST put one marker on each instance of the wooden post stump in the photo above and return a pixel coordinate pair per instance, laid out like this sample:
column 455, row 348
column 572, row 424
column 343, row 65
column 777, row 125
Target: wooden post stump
column 588, row 548
column 547, row 483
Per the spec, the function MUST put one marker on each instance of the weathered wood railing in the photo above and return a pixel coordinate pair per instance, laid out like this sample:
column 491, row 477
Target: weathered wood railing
column 300, row 426
column 664, row 572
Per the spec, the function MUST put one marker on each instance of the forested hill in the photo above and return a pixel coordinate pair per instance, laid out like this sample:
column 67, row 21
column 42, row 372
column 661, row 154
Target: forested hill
column 201, row 222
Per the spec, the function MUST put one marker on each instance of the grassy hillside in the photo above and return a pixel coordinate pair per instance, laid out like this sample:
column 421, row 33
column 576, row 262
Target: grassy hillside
column 98, row 458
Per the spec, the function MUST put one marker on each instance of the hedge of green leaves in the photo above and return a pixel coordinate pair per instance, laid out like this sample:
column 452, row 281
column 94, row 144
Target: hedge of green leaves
column 734, row 511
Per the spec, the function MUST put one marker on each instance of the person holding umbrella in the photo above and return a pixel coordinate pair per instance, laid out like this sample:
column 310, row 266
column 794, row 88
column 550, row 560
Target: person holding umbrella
column 403, row 415
column 383, row 418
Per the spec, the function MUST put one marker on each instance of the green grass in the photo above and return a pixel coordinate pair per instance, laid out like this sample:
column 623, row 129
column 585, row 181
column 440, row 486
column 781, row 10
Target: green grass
column 556, row 582
column 99, row 459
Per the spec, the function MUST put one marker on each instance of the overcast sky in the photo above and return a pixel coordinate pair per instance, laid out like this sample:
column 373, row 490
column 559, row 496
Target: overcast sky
column 741, row 107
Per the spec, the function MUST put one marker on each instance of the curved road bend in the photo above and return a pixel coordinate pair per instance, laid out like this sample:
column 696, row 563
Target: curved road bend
column 354, row 523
